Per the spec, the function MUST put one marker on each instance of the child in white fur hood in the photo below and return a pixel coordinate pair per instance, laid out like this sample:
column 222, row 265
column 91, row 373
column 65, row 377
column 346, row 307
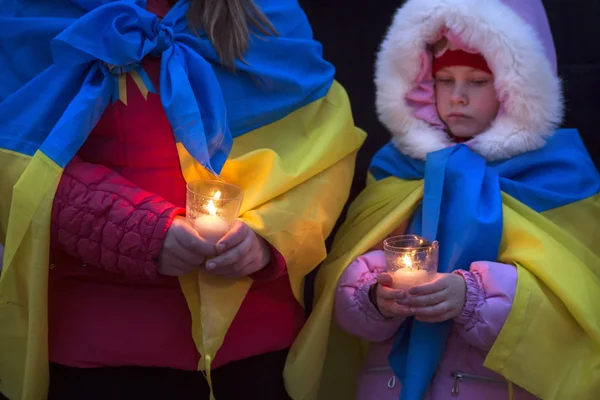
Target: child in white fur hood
column 514, row 39
column 469, row 91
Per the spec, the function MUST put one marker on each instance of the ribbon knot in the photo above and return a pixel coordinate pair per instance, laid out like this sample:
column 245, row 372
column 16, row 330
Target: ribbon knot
column 122, row 69
column 164, row 39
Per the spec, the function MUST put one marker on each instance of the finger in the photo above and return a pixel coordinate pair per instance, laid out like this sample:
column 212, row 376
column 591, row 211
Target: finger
column 395, row 309
column 434, row 286
column 248, row 267
column 239, row 270
column 188, row 238
column 228, row 271
column 230, row 257
column 245, row 261
column 188, row 263
column 388, row 293
column 385, row 279
column 225, row 272
column 184, row 255
column 238, row 232
column 225, row 260
column 432, row 311
column 426, row 300
column 176, row 269
column 431, row 320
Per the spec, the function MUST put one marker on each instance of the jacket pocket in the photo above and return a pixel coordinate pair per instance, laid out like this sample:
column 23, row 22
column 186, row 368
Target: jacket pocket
column 459, row 377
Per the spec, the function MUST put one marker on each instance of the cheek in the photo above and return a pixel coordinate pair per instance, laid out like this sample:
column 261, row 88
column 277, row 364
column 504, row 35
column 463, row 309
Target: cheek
column 442, row 98
column 487, row 106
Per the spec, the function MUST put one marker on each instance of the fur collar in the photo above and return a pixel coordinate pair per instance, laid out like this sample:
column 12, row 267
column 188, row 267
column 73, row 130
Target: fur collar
column 526, row 83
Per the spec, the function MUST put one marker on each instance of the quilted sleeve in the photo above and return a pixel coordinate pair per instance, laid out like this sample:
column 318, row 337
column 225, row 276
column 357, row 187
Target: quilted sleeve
column 106, row 221
column 491, row 289
column 354, row 310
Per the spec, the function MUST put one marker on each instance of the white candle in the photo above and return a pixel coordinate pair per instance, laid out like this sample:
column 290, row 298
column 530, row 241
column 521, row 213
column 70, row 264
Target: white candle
column 211, row 228
column 406, row 278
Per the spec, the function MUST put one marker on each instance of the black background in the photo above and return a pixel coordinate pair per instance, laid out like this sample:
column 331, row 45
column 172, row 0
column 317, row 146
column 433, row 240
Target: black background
column 351, row 31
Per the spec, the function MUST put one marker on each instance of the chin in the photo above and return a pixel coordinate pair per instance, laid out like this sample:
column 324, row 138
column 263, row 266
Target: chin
column 464, row 133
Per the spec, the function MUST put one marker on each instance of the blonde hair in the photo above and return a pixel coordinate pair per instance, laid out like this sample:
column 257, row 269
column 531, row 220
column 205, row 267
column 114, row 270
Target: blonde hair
column 228, row 25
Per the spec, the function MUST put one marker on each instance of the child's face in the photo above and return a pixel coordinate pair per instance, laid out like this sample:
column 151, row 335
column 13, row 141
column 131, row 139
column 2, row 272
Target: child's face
column 466, row 100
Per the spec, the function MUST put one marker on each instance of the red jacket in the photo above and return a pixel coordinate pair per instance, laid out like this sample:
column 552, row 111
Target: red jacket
column 107, row 305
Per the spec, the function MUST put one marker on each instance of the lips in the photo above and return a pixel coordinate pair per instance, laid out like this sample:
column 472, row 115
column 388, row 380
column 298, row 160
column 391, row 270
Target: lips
column 458, row 116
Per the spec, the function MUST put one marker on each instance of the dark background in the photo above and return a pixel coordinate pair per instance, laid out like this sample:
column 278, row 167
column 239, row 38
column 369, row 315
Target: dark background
column 351, row 31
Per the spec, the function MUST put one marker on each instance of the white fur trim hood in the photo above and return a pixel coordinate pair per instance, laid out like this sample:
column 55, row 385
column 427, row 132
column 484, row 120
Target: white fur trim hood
column 525, row 78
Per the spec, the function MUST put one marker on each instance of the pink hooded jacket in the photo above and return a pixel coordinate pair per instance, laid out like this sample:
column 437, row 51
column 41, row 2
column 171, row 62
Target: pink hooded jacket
column 461, row 374
column 514, row 36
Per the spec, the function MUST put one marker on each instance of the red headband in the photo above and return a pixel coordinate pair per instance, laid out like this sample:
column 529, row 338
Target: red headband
column 459, row 57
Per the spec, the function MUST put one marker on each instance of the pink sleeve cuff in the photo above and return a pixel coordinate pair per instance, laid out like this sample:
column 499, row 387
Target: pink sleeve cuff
column 475, row 297
column 365, row 298
column 275, row 269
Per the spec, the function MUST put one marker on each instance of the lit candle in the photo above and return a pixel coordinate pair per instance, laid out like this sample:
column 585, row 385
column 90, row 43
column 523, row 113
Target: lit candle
column 407, row 277
column 210, row 226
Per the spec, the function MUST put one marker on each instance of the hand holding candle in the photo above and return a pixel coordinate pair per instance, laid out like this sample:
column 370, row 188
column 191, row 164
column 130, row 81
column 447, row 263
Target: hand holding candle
column 439, row 300
column 241, row 252
column 387, row 299
column 212, row 209
column 183, row 251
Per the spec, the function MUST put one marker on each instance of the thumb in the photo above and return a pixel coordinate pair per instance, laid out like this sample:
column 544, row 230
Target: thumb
column 385, row 279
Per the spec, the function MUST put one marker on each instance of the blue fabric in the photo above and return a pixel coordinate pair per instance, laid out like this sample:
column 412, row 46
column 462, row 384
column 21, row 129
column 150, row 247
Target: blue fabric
column 462, row 209
column 60, row 58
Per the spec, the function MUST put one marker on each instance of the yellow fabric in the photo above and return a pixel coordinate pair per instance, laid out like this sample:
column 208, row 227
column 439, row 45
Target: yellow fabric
column 296, row 174
column 122, row 79
column 550, row 342
column 140, row 84
column 23, row 283
column 376, row 211
column 137, row 79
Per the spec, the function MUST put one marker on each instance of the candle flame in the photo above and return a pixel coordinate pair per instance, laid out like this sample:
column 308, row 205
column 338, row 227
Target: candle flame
column 210, row 207
column 407, row 261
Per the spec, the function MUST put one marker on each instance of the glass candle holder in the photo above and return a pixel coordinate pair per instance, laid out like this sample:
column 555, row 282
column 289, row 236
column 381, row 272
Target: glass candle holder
column 411, row 260
column 212, row 207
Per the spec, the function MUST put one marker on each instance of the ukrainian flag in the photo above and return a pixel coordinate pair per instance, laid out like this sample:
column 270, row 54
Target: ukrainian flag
column 538, row 211
column 279, row 127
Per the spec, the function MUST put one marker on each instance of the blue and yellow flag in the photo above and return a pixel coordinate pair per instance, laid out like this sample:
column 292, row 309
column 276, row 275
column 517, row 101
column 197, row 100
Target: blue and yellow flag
column 279, row 127
column 538, row 211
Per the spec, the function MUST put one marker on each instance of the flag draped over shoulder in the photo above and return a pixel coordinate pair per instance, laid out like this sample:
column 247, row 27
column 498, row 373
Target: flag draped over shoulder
column 279, row 127
column 537, row 211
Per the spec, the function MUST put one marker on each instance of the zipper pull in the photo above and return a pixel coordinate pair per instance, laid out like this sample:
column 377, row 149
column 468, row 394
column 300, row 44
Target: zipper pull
column 392, row 382
column 457, row 377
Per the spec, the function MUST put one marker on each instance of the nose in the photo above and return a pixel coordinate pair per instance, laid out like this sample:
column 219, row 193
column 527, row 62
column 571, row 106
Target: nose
column 459, row 95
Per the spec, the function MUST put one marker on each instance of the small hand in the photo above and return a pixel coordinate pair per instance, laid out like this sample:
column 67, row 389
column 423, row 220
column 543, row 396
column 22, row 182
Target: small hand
column 183, row 250
column 388, row 298
column 241, row 252
column 439, row 300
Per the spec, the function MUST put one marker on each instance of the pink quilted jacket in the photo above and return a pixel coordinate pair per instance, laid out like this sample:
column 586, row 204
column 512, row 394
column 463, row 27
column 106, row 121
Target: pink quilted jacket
column 461, row 374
